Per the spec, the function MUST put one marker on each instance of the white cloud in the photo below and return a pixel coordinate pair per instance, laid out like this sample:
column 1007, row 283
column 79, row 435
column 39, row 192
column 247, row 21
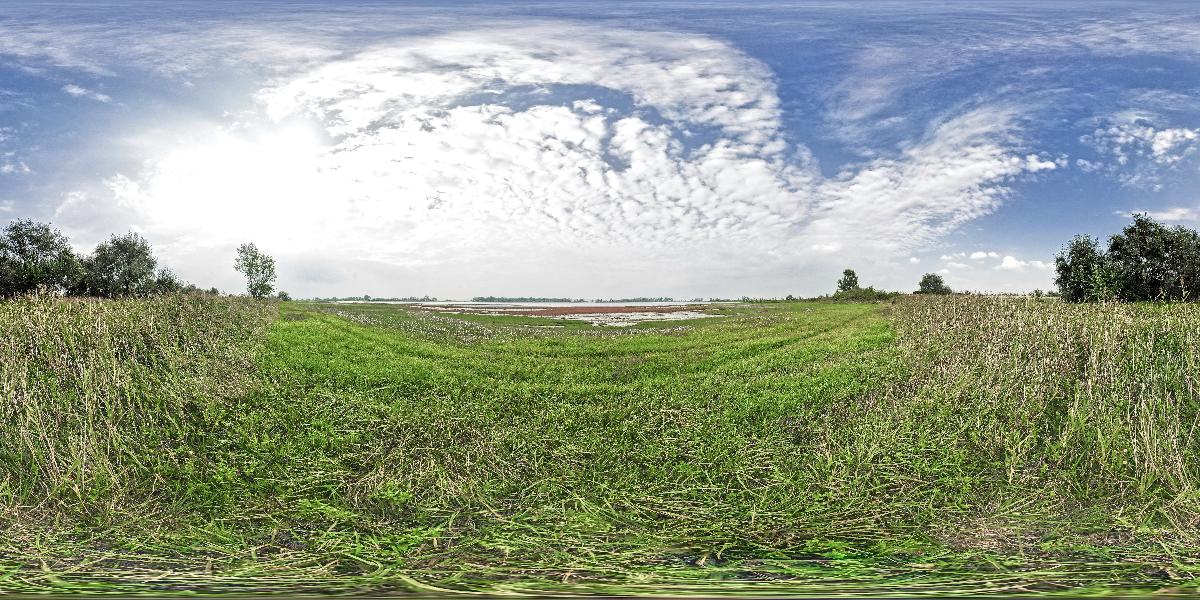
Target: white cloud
column 981, row 255
column 533, row 146
column 1034, row 163
column 10, row 164
column 82, row 92
column 956, row 265
column 1140, row 150
column 1010, row 263
column 914, row 260
column 1169, row 215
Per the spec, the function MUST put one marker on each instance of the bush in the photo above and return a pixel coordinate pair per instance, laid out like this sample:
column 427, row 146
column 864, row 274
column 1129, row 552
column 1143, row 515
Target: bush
column 867, row 294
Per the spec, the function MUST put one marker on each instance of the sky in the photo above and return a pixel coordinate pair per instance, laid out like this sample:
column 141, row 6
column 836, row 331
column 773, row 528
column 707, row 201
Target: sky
column 601, row 149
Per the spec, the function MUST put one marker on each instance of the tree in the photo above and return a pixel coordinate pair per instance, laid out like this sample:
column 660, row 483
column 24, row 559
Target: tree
column 165, row 282
column 32, row 256
column 1154, row 262
column 1146, row 261
column 932, row 283
column 283, row 296
column 121, row 267
column 1076, row 267
column 848, row 282
column 1141, row 257
column 258, row 268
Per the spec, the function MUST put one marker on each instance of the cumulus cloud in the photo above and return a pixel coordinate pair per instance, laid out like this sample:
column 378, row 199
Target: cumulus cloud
column 1010, row 263
column 1164, row 146
column 82, row 92
column 1140, row 151
column 540, row 143
column 981, row 255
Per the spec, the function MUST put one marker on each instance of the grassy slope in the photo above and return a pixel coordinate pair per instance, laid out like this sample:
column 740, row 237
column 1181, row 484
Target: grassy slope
column 568, row 453
column 793, row 440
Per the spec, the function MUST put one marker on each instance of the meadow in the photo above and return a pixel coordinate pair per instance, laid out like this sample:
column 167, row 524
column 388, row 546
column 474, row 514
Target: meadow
column 947, row 445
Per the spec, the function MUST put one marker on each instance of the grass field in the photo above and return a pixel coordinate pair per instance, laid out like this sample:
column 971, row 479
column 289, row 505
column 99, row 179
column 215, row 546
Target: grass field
column 929, row 446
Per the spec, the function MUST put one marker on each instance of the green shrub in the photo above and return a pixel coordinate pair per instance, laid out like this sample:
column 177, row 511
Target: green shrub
column 867, row 294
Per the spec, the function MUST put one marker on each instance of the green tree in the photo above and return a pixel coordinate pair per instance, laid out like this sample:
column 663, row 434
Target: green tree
column 258, row 268
column 1141, row 254
column 848, row 282
column 1154, row 262
column 1185, row 256
column 1146, row 261
column 32, row 256
column 1075, row 268
column 283, row 296
column 165, row 282
column 123, row 266
column 932, row 283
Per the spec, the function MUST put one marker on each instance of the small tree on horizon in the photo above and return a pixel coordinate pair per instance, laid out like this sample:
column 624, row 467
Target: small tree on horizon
column 258, row 268
column 932, row 283
column 848, row 282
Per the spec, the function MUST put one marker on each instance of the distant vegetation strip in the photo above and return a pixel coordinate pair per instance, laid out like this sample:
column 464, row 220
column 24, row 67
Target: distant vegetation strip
column 577, row 300
column 1146, row 261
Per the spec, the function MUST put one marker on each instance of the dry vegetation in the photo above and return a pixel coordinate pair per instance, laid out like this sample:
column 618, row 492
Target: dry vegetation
column 99, row 400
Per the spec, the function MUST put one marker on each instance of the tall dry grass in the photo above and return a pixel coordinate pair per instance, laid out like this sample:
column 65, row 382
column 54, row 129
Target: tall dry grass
column 1070, row 407
column 102, row 403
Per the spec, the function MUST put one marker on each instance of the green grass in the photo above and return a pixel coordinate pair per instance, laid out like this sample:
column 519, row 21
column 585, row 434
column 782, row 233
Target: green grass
column 931, row 446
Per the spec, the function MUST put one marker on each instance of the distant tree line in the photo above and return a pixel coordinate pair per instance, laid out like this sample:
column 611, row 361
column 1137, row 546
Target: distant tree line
column 370, row 298
column 35, row 257
column 523, row 299
column 849, row 290
column 1147, row 261
column 594, row 300
column 638, row 299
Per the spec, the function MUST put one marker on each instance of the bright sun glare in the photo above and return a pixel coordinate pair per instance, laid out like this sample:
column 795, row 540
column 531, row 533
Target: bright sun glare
column 230, row 183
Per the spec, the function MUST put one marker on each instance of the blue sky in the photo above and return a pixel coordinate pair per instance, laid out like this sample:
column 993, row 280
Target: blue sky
column 601, row 149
